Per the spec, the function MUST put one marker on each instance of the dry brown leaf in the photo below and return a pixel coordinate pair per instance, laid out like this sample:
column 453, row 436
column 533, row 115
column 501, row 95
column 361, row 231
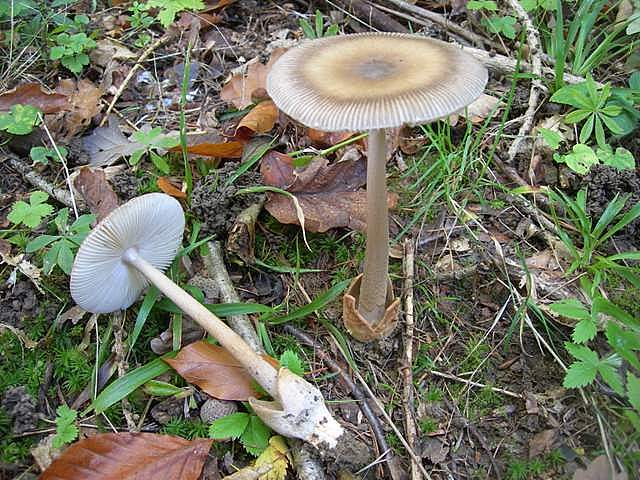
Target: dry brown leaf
column 599, row 469
column 33, row 94
column 96, row 191
column 130, row 456
column 327, row 139
column 260, row 119
column 232, row 149
column 476, row 111
column 107, row 51
column 542, row 442
column 169, row 188
column 84, row 97
column 330, row 195
column 215, row 371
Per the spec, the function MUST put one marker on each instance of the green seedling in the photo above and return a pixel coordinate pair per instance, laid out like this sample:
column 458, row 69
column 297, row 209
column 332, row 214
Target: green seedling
column 248, row 428
column 293, row 362
column 319, row 30
column 583, row 157
column 43, row 154
column 140, row 18
column 503, row 25
column 66, row 428
column 63, row 245
column 20, row 120
column 30, row 214
column 72, row 50
column 153, row 140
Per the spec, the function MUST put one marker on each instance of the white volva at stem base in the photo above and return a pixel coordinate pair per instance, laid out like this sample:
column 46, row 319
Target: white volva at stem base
column 373, row 289
column 265, row 374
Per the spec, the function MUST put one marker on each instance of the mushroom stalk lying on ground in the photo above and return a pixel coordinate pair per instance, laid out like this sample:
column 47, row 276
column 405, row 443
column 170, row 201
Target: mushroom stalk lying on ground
column 128, row 250
column 373, row 81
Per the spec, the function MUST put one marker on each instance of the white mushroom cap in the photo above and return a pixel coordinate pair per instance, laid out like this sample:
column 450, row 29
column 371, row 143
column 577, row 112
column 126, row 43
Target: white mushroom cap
column 101, row 281
column 374, row 80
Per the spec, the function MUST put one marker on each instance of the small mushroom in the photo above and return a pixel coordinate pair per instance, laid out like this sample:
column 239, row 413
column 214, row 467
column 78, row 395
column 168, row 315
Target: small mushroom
column 373, row 81
column 129, row 249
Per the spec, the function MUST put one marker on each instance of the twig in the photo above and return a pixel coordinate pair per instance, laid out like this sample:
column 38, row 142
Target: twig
column 143, row 56
column 373, row 15
column 214, row 263
column 407, row 368
column 61, row 195
column 533, row 40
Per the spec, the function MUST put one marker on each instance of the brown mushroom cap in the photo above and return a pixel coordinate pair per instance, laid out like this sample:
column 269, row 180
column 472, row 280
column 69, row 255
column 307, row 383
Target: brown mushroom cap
column 374, row 80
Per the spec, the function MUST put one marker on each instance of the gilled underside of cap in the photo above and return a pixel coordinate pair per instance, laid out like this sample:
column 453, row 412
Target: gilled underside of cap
column 100, row 281
column 374, row 80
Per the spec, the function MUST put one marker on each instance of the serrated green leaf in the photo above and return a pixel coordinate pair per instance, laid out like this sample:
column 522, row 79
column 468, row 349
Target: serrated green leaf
column 584, row 331
column 256, row 436
column 579, row 374
column 40, row 242
column 570, row 308
column 231, row 426
column 66, row 429
column 611, row 376
column 633, row 391
column 582, row 353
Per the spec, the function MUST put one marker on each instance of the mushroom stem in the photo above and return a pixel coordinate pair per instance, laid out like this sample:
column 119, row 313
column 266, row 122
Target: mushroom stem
column 263, row 372
column 373, row 288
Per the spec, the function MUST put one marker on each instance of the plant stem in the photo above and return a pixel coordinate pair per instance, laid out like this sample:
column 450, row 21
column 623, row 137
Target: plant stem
column 373, row 288
column 258, row 368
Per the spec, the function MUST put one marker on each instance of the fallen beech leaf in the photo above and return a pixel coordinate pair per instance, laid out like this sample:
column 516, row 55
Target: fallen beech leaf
column 107, row 144
column 260, row 119
column 232, row 149
column 32, row 94
column 130, row 456
column 215, row 371
column 96, row 191
column 330, row 195
column 170, row 189
column 599, row 469
column 327, row 139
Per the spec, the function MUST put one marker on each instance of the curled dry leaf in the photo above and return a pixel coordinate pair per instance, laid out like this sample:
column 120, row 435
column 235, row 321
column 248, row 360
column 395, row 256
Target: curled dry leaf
column 260, row 119
column 84, row 97
column 132, row 456
column 215, row 371
column 96, row 191
column 330, row 195
column 169, row 188
column 33, row 94
column 107, row 51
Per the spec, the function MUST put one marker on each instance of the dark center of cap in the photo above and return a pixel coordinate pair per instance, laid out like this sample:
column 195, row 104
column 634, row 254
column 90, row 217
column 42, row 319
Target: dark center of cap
column 375, row 69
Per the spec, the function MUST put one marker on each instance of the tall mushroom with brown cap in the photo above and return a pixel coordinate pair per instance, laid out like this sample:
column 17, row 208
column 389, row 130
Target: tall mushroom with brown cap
column 129, row 249
column 373, row 81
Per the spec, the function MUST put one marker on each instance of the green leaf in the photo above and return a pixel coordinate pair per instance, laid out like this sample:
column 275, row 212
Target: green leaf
column 57, row 52
column 551, row 137
column 622, row 159
column 51, row 257
column 66, row 429
column 65, row 257
column 319, row 23
column 32, row 213
column 573, row 95
column 502, row 25
column 144, row 311
column 256, row 436
column 633, row 391
column 156, row 388
column 579, row 374
column 39, row 155
column 159, row 162
column 231, row 426
column 580, row 160
column 170, row 8
column 40, row 242
column 584, row 331
column 577, row 116
column 582, row 353
column 317, row 304
column 483, row 5
column 307, row 29
column 625, row 343
column 570, row 308
column 20, row 120
column 128, row 383
column 611, row 376
column 290, row 359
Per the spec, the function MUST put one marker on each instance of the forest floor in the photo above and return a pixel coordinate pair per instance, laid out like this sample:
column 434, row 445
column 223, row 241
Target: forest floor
column 514, row 242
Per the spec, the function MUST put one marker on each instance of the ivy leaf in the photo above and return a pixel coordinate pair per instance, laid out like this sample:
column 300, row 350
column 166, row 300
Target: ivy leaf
column 66, row 429
column 231, row 426
column 255, row 438
column 292, row 361
column 32, row 213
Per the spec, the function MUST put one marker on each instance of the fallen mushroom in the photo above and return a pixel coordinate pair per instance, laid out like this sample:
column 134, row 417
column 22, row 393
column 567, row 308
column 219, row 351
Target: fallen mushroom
column 129, row 249
column 373, row 81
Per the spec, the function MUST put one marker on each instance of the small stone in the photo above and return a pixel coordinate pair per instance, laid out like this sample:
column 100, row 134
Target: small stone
column 214, row 409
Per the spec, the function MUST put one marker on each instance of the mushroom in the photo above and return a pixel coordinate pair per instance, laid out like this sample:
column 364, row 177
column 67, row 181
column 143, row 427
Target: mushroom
column 373, row 81
column 129, row 249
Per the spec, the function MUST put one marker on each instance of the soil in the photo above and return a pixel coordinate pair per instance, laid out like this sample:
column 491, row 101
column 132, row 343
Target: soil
column 17, row 302
column 21, row 409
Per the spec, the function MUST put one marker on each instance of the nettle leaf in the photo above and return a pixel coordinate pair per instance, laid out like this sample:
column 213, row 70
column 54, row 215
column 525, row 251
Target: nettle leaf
column 231, row 426
column 32, row 213
column 584, row 331
column 255, row 438
column 292, row 361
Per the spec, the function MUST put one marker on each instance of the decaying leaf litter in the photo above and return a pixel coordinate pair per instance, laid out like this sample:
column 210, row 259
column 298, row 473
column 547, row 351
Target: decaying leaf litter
column 497, row 288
